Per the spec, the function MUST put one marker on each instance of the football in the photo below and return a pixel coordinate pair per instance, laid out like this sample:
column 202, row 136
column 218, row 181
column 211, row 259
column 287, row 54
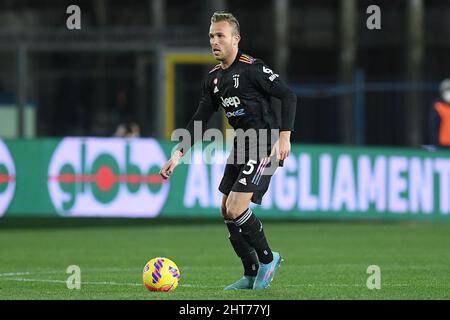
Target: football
column 161, row 274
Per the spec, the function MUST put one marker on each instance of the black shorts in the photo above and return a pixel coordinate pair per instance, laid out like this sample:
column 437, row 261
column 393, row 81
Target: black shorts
column 254, row 176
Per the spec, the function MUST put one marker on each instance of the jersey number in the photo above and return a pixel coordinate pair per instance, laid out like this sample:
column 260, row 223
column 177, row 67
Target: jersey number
column 267, row 70
column 251, row 164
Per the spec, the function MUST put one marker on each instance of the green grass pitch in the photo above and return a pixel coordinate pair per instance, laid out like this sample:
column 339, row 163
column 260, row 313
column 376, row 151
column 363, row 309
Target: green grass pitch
column 323, row 260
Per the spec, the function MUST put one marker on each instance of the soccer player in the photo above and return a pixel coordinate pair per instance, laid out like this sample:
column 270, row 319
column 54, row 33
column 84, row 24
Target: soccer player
column 242, row 86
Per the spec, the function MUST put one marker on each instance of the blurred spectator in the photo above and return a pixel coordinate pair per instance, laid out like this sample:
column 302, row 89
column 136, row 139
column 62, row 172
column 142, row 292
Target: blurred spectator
column 127, row 126
column 440, row 117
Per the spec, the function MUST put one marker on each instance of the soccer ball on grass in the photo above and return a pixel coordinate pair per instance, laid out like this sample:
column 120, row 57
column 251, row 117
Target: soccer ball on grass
column 161, row 274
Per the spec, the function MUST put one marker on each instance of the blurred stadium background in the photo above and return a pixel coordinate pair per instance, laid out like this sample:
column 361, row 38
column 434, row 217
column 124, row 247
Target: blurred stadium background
column 85, row 122
column 77, row 82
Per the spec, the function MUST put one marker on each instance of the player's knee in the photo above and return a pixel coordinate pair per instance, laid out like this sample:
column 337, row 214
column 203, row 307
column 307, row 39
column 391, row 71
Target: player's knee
column 233, row 211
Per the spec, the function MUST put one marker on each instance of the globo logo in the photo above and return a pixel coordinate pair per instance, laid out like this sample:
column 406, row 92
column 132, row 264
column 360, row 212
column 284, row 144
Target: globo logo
column 7, row 178
column 107, row 177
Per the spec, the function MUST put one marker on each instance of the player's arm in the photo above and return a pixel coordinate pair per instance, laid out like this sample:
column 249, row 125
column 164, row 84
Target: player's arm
column 271, row 83
column 205, row 110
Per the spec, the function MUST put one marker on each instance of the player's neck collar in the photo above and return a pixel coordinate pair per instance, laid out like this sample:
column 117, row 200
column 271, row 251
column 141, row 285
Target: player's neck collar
column 238, row 55
column 235, row 61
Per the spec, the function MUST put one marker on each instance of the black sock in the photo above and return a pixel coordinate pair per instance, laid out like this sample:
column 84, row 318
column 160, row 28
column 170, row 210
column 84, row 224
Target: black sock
column 252, row 231
column 243, row 249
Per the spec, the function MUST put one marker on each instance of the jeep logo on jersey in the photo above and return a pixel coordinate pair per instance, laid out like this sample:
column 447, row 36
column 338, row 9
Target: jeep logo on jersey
column 231, row 102
column 107, row 177
column 7, row 178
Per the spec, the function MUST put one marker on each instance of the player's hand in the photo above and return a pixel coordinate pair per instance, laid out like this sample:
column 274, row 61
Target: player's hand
column 285, row 149
column 283, row 145
column 169, row 167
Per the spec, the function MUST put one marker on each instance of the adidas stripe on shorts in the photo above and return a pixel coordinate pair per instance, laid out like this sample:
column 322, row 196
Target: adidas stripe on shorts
column 254, row 176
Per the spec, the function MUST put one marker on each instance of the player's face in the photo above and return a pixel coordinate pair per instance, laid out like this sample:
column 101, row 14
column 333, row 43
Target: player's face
column 223, row 42
column 446, row 96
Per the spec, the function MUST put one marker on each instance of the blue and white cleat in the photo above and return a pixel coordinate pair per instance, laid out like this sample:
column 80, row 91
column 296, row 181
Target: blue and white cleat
column 267, row 271
column 246, row 282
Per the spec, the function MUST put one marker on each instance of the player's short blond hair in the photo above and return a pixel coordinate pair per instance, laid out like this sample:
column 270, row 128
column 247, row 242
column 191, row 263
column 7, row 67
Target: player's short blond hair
column 229, row 17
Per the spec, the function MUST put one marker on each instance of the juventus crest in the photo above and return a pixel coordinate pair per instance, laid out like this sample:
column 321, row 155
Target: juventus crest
column 236, row 80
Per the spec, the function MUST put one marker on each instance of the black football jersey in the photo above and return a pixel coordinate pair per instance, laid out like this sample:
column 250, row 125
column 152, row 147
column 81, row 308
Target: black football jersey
column 243, row 91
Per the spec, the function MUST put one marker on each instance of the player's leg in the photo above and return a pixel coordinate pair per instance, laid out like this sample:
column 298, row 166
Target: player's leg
column 238, row 209
column 243, row 250
column 252, row 183
column 241, row 247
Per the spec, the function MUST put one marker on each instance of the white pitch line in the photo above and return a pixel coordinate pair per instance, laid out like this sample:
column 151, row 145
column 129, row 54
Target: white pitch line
column 101, row 283
column 6, row 277
column 11, row 274
column 188, row 285
column 82, row 282
column 62, row 271
column 342, row 285
column 198, row 286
